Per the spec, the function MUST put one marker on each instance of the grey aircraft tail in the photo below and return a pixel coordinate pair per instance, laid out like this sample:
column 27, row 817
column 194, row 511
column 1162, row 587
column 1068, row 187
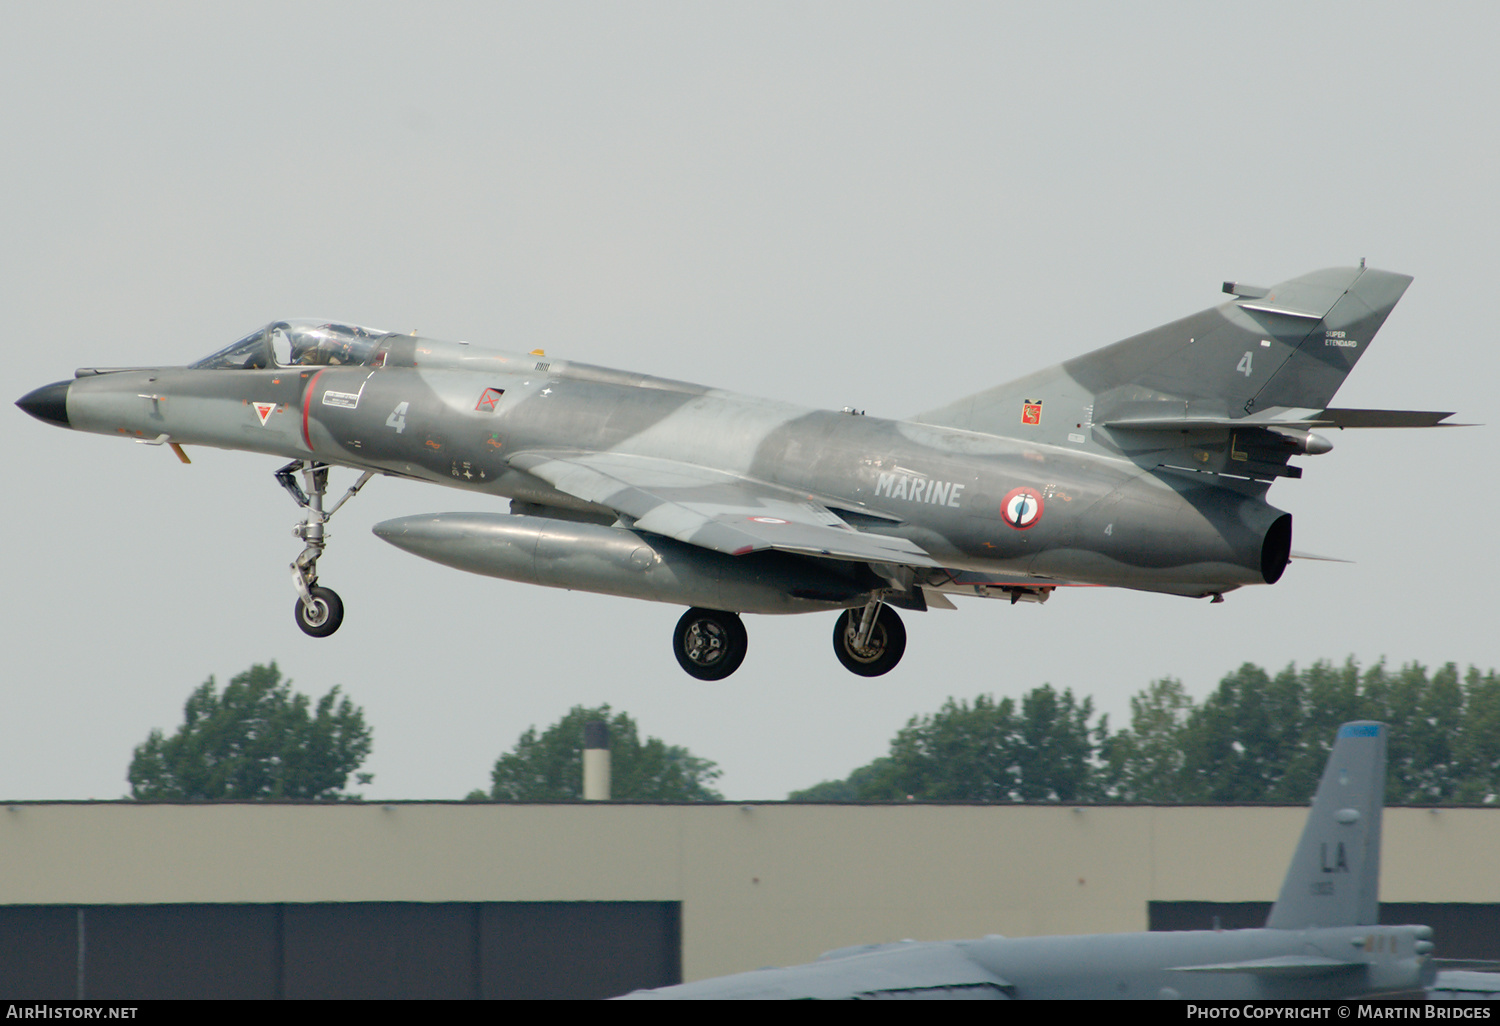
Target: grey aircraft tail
column 1267, row 350
column 1335, row 875
column 1322, row 940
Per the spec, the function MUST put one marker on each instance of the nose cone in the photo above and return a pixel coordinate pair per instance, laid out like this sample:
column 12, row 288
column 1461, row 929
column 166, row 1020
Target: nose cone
column 49, row 403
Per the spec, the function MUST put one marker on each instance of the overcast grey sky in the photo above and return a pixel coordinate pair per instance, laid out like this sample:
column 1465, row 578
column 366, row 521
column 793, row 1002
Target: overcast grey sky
column 868, row 204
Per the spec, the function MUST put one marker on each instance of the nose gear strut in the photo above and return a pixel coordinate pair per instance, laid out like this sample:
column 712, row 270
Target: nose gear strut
column 319, row 611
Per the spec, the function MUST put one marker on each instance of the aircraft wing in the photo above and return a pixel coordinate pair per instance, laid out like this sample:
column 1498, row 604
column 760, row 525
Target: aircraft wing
column 889, row 971
column 713, row 509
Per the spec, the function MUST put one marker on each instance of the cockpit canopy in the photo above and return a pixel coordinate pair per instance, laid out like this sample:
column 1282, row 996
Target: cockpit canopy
column 300, row 343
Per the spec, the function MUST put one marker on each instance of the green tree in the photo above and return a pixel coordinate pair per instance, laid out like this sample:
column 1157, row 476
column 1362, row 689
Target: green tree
column 1476, row 752
column 989, row 751
column 856, row 787
column 1256, row 738
column 962, row 752
column 1145, row 760
column 1263, row 738
column 1239, row 744
column 548, row 767
column 255, row 740
column 1432, row 729
column 1056, row 752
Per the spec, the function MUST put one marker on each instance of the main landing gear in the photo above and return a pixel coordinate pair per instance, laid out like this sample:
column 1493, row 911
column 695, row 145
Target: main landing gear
column 869, row 641
column 710, row 643
column 319, row 611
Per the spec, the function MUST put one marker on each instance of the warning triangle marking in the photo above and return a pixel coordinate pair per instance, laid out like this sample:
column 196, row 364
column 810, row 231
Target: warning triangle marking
column 263, row 411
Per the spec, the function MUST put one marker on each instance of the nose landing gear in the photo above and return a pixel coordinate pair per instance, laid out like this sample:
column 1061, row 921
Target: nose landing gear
column 319, row 611
column 321, row 616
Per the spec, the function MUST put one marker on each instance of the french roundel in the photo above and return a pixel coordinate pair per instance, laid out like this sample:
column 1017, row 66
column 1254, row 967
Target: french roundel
column 1021, row 508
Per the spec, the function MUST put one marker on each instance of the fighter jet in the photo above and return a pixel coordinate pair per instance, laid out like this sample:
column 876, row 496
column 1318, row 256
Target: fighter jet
column 1143, row 465
column 1321, row 941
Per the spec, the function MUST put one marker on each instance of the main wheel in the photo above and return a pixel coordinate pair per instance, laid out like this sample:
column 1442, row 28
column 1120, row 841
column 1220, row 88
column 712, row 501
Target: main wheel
column 323, row 617
column 887, row 642
column 710, row 644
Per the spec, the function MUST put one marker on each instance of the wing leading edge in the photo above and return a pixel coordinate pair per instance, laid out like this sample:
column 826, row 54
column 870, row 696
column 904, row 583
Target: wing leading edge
column 906, row 969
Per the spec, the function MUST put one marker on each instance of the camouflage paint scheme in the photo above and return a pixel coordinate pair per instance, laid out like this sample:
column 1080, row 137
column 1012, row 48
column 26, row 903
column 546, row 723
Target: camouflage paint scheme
column 1143, row 465
column 1321, row 940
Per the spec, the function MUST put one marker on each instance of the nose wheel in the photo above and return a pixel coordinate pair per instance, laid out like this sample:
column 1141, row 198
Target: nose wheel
column 319, row 611
column 322, row 616
column 869, row 641
column 709, row 643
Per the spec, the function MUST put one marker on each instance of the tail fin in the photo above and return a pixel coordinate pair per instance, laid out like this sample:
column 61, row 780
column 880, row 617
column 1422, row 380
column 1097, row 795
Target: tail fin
column 1334, row 879
column 1289, row 346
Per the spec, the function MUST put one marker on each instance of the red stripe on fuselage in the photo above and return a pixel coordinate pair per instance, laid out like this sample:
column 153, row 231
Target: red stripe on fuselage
column 306, row 402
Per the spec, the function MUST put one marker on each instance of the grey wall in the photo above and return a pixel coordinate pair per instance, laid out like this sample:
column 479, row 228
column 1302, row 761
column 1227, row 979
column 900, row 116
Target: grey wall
column 360, row 950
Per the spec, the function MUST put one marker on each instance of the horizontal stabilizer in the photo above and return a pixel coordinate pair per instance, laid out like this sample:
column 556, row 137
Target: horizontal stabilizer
column 1386, row 418
column 1203, row 423
column 1281, row 965
column 1287, row 419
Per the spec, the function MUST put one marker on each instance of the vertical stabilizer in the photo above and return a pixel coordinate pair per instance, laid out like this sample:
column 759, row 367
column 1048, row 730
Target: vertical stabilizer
column 1289, row 346
column 1335, row 876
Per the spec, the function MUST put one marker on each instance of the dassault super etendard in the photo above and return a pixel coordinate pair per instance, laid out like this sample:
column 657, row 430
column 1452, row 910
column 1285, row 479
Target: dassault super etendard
column 1142, row 465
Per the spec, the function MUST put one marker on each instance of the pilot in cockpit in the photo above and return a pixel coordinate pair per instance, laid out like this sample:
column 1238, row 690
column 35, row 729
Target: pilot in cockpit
column 298, row 343
column 331, row 344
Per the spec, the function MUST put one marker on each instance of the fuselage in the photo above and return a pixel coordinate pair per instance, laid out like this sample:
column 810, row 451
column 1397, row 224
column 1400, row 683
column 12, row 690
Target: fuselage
column 1262, row 965
column 453, row 413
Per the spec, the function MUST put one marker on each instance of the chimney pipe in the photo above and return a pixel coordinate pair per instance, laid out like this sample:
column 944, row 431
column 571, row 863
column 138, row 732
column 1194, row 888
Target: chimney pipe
column 596, row 761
